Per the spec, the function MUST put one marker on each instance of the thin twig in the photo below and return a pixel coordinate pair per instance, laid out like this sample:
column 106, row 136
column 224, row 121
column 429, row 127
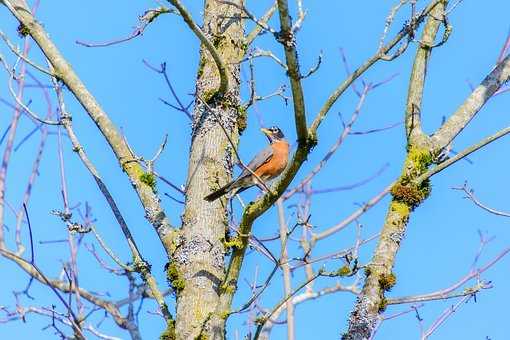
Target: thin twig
column 222, row 69
column 144, row 20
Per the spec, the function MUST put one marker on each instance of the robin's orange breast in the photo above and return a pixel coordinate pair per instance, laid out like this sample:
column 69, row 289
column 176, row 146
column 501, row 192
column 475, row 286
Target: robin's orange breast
column 277, row 163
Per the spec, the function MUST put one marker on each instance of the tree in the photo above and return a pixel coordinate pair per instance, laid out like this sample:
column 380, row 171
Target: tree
column 206, row 252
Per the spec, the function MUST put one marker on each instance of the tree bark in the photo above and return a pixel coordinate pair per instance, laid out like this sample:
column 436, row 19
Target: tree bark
column 198, row 267
column 406, row 195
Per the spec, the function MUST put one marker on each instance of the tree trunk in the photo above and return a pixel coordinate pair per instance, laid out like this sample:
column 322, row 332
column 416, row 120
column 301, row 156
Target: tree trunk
column 198, row 267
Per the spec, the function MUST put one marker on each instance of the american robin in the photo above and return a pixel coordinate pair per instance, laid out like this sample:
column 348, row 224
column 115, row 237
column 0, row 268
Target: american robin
column 267, row 164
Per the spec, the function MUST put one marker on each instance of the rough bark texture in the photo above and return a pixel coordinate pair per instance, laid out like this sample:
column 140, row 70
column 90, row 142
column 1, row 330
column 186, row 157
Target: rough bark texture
column 406, row 196
column 197, row 271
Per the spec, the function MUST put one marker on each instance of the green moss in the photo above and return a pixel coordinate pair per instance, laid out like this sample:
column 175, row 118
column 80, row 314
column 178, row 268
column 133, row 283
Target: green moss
column 228, row 288
column 234, row 242
column 201, row 336
column 344, row 271
column 23, row 30
column 244, row 46
column 169, row 333
column 149, row 179
column 224, row 315
column 210, row 96
column 383, row 304
column 419, row 158
column 410, row 193
column 387, row 281
column 175, row 278
column 175, row 241
column 400, row 208
column 242, row 119
column 406, row 191
column 201, row 66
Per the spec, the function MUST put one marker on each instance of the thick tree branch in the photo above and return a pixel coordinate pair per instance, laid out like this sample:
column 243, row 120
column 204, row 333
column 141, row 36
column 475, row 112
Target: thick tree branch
column 287, row 39
column 379, row 276
column 464, row 153
column 254, row 210
column 418, row 74
column 261, row 24
column 480, row 95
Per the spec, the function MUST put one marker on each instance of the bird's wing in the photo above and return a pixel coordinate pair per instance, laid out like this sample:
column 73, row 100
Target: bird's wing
column 261, row 158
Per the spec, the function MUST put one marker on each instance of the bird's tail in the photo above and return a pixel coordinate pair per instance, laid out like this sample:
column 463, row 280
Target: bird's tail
column 220, row 192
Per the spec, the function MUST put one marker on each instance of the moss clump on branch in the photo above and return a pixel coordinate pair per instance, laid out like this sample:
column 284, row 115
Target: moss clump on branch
column 23, row 30
column 387, row 281
column 169, row 333
column 419, row 159
column 149, row 179
column 174, row 277
column 224, row 315
column 406, row 191
column 382, row 305
column 410, row 193
column 400, row 208
column 210, row 96
column 344, row 271
column 228, row 288
column 234, row 242
column 242, row 119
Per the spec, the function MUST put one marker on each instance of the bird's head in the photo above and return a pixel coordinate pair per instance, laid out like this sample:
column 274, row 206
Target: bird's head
column 273, row 133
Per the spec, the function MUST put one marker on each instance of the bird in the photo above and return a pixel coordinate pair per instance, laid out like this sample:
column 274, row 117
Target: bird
column 267, row 164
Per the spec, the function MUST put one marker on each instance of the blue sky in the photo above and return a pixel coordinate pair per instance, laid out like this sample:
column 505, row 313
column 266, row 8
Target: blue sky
column 442, row 237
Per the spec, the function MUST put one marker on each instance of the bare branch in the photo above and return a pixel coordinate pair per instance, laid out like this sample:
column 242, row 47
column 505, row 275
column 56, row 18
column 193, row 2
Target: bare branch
column 464, row 153
column 470, row 194
column 332, row 150
column 476, row 100
column 354, row 215
column 144, row 20
column 222, row 69
column 469, row 291
column 406, row 31
column 414, row 131
column 64, row 72
column 261, row 24
column 21, row 55
column 140, row 265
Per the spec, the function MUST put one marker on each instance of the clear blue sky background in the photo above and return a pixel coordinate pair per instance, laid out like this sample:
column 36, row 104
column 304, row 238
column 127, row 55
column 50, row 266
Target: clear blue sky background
column 442, row 238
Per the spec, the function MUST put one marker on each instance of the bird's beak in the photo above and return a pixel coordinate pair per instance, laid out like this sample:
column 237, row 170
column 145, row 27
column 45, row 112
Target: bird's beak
column 267, row 132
